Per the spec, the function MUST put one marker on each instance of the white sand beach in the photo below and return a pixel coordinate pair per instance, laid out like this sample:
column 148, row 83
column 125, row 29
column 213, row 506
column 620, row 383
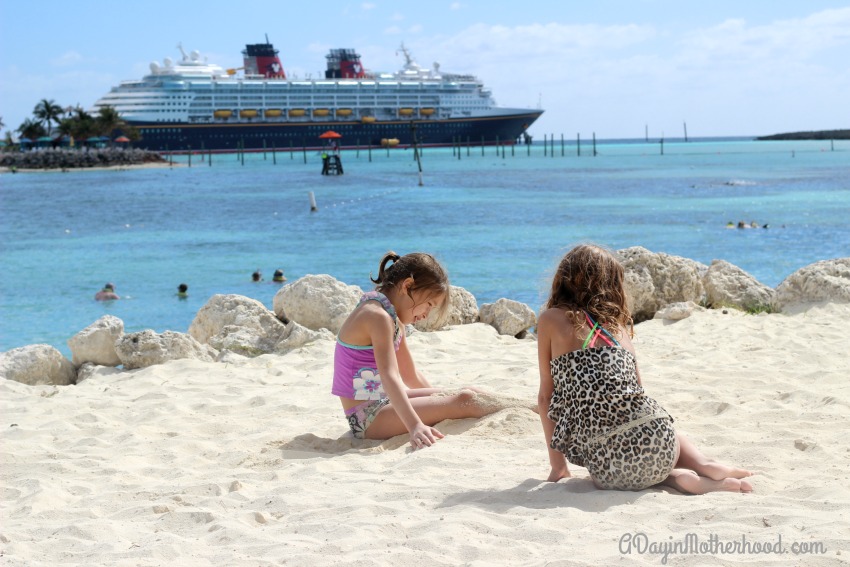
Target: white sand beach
column 250, row 463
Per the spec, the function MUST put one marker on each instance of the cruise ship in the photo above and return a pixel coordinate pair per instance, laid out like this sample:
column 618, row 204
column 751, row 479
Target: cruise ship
column 191, row 105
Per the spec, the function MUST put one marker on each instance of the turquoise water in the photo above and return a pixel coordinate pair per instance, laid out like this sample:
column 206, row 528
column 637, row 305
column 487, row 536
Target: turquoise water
column 498, row 223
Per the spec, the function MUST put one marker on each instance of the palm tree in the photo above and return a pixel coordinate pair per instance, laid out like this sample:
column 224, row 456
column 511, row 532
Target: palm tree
column 31, row 129
column 48, row 111
column 108, row 120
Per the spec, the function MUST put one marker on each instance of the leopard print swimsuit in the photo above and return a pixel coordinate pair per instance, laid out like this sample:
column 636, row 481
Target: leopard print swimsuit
column 604, row 421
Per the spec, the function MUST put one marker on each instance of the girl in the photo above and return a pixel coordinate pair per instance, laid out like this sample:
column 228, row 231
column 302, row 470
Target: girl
column 591, row 401
column 372, row 364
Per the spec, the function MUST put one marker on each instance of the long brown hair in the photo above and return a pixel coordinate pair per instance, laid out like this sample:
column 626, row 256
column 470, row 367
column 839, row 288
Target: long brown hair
column 590, row 278
column 428, row 275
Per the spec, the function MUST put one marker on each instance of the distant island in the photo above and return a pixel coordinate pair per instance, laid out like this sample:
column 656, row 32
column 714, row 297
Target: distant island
column 815, row 135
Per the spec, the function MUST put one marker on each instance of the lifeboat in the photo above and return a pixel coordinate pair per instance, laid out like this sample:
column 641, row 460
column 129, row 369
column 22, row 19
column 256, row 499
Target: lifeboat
column 389, row 142
column 222, row 113
column 405, row 112
column 367, row 119
column 248, row 113
column 426, row 111
column 343, row 112
column 321, row 112
column 273, row 112
column 295, row 112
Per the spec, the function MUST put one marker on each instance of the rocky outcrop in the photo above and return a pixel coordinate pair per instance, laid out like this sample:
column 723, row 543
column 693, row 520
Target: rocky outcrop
column 653, row 280
column 146, row 348
column 96, row 343
column 828, row 280
column 244, row 326
column 90, row 370
column 463, row 309
column 37, row 365
column 62, row 158
column 727, row 285
column 317, row 302
column 508, row 317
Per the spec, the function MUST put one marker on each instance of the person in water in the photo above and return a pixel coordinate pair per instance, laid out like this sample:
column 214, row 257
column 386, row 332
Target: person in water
column 182, row 291
column 257, row 276
column 592, row 405
column 278, row 276
column 107, row 293
column 381, row 391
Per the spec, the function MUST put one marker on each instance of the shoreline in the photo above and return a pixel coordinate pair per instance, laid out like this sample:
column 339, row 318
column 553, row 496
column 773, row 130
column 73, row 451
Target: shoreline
column 117, row 167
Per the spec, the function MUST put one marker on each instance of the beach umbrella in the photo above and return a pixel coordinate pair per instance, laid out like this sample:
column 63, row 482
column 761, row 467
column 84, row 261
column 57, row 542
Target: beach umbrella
column 122, row 139
column 94, row 139
column 330, row 134
column 25, row 141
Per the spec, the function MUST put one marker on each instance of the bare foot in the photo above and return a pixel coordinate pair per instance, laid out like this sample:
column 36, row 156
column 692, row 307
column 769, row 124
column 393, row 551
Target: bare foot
column 689, row 482
column 719, row 471
column 558, row 474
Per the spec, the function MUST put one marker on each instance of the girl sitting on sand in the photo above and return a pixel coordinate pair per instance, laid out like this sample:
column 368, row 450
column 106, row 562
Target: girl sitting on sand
column 591, row 402
column 372, row 364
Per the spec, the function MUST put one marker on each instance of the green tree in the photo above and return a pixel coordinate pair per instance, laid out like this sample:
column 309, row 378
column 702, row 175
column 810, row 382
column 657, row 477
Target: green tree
column 31, row 129
column 108, row 120
column 48, row 112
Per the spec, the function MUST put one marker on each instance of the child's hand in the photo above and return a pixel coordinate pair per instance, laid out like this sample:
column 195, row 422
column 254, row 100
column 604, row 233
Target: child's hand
column 424, row 436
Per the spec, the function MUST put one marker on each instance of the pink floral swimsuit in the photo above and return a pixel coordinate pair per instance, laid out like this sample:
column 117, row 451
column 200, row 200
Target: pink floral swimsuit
column 356, row 373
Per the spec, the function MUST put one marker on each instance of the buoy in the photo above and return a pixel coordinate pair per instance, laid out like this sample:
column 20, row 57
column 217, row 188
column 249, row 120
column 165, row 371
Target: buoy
column 313, row 207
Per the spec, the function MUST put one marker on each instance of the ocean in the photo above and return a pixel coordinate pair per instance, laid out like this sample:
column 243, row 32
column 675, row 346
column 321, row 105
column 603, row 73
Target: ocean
column 498, row 221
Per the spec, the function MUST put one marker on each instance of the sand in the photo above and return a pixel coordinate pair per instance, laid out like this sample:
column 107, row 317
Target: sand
column 249, row 462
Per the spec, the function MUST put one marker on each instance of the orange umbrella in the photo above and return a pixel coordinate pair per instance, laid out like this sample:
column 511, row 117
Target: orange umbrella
column 330, row 134
column 122, row 139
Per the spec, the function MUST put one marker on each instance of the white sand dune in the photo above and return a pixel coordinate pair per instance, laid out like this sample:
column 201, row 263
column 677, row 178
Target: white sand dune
column 249, row 462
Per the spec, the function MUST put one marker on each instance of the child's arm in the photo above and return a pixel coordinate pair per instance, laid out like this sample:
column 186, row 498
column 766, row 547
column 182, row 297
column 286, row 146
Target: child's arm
column 409, row 374
column 547, row 386
column 381, row 330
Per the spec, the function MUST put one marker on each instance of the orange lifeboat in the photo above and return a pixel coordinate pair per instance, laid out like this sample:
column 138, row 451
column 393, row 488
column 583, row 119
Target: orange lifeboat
column 367, row 119
column 405, row 112
column 296, row 112
column 389, row 142
column 248, row 113
column 273, row 112
column 426, row 111
column 343, row 112
column 321, row 112
column 222, row 113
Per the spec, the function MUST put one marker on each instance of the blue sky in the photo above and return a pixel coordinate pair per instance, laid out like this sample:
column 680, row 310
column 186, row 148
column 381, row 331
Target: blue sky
column 745, row 67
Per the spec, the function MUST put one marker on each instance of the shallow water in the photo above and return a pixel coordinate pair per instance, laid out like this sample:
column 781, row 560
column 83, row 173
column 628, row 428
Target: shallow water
column 498, row 223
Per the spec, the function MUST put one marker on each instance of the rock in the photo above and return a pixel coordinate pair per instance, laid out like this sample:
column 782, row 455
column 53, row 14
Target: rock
column 317, row 302
column 657, row 279
column 96, row 343
column 727, row 285
column 245, row 326
column 828, row 280
column 508, row 317
column 37, row 365
column 463, row 310
column 678, row 311
column 146, row 348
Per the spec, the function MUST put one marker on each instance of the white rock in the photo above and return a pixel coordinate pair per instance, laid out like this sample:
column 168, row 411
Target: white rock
column 96, row 343
column 146, row 348
column 317, row 302
column 245, row 326
column 728, row 285
column 463, row 310
column 825, row 281
column 37, row 365
column 673, row 279
column 508, row 317
column 678, row 311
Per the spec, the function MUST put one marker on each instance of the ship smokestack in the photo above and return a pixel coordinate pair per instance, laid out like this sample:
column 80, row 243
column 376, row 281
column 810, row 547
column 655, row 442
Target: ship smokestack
column 262, row 59
column 344, row 64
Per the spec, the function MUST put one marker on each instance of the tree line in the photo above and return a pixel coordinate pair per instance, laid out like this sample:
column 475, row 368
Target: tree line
column 72, row 121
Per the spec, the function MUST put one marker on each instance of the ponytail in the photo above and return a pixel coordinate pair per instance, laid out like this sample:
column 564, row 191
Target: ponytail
column 427, row 274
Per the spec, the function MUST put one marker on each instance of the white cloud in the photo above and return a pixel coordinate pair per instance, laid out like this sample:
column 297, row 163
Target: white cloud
column 397, row 17
column 67, row 59
column 368, row 6
column 415, row 29
column 392, row 30
column 456, row 6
